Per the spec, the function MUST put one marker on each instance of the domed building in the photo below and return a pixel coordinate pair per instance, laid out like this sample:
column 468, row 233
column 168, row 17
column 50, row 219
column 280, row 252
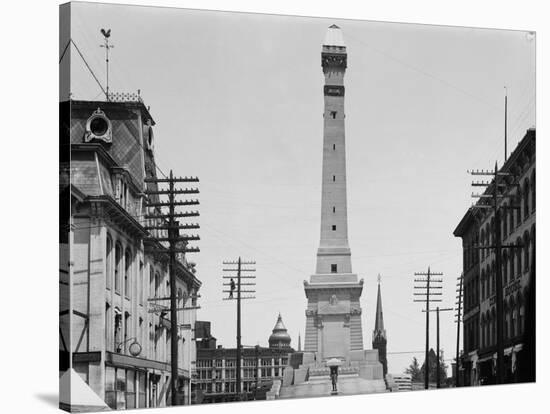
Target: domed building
column 280, row 337
column 260, row 365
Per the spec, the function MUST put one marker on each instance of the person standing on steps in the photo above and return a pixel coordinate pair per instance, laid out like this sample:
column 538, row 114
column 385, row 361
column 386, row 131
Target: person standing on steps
column 334, row 377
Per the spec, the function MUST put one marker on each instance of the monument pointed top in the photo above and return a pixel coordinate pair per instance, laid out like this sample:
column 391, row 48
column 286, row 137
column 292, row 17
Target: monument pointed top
column 334, row 37
column 379, row 320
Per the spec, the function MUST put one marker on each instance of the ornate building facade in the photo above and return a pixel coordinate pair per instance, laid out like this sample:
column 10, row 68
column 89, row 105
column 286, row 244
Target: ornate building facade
column 477, row 228
column 119, row 340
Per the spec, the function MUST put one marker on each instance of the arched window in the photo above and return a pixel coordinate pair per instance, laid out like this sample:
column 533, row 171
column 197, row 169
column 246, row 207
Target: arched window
column 512, row 259
column 519, row 251
column 504, row 219
column 506, row 310
column 482, row 330
column 118, row 266
column 117, row 329
column 494, row 333
column 521, row 313
column 493, row 279
column 482, row 238
column 526, row 198
column 513, row 317
column 517, row 204
column 533, row 192
column 483, row 284
column 475, row 250
column 489, row 329
column 526, row 244
column 476, row 291
column 127, row 272
column 108, row 262
column 505, row 268
column 127, row 329
column 511, row 217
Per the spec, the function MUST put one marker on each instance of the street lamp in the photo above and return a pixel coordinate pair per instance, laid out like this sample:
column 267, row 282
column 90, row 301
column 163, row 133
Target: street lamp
column 134, row 348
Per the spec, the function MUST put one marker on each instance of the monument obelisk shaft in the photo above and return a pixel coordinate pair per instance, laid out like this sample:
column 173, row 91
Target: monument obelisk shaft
column 334, row 248
column 333, row 315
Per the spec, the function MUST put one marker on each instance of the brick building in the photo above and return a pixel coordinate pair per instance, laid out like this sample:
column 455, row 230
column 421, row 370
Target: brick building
column 120, row 344
column 215, row 376
column 477, row 227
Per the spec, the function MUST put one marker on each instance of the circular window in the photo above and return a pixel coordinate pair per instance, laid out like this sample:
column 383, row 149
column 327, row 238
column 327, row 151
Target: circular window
column 99, row 126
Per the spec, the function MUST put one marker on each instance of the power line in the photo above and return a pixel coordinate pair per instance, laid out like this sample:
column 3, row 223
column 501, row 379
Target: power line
column 64, row 50
column 88, row 66
column 424, row 72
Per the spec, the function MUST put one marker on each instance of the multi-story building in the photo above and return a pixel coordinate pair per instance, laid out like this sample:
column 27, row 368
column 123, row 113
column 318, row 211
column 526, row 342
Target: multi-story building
column 517, row 225
column 468, row 230
column 215, row 376
column 118, row 338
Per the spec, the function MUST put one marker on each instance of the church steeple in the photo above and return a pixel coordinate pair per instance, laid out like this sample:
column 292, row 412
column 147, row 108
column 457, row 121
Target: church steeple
column 379, row 339
column 379, row 321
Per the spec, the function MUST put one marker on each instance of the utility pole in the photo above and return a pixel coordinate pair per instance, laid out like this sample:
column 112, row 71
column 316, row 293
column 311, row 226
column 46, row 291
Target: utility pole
column 249, row 274
column 426, row 286
column 438, row 363
column 458, row 321
column 498, row 188
column 106, row 34
column 168, row 230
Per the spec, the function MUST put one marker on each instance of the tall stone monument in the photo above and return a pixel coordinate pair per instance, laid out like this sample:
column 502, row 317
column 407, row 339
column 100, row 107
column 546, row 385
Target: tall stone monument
column 334, row 335
column 333, row 315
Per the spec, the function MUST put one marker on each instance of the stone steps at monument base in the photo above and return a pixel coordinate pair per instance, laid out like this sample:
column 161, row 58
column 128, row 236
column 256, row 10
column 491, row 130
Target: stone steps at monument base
column 325, row 371
column 346, row 386
column 321, row 378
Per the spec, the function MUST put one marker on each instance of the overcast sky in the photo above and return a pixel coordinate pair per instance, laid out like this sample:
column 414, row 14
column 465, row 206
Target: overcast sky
column 238, row 102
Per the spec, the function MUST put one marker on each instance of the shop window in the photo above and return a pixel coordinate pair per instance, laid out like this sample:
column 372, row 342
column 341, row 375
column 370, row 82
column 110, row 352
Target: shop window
column 130, row 394
column 110, row 390
column 142, row 387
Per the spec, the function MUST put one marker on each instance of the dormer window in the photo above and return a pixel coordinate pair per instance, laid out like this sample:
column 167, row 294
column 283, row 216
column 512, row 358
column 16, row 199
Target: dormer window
column 98, row 127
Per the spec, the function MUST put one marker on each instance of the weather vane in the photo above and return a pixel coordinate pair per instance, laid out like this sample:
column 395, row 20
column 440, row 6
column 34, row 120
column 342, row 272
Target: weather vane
column 379, row 278
column 106, row 34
